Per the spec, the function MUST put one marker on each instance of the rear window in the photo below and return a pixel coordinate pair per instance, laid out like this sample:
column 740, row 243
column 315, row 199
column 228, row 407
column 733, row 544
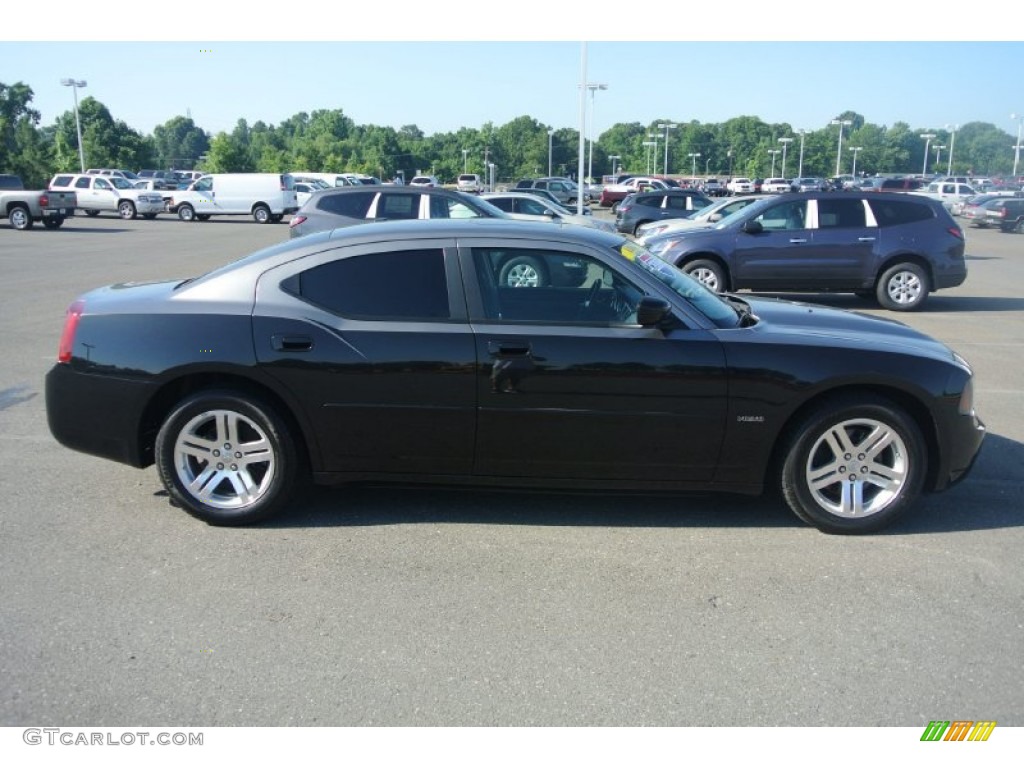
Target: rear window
column 890, row 213
column 351, row 204
column 61, row 181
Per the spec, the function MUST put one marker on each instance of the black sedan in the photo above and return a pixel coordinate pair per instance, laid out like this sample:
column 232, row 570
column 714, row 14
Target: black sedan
column 394, row 352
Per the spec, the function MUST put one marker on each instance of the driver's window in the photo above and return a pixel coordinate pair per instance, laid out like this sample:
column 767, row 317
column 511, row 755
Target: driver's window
column 785, row 216
column 204, row 185
column 101, row 184
column 527, row 285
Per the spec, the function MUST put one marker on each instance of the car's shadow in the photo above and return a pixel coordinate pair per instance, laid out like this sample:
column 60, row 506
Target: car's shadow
column 934, row 304
column 987, row 499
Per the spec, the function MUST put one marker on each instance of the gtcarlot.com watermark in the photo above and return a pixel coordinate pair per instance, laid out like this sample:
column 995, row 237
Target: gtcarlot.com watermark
column 72, row 738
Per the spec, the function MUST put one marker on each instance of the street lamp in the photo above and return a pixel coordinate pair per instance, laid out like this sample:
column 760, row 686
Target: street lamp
column 839, row 151
column 668, row 127
column 551, row 133
column 927, row 141
column 855, row 150
column 649, row 144
column 654, row 154
column 593, row 88
column 465, row 161
column 693, row 156
column 728, row 154
column 938, row 153
column 707, row 164
column 785, row 144
column 800, row 170
column 952, row 143
column 614, row 158
column 1016, row 147
column 773, row 153
column 75, row 85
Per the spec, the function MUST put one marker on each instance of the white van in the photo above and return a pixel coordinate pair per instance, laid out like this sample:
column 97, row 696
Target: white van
column 267, row 197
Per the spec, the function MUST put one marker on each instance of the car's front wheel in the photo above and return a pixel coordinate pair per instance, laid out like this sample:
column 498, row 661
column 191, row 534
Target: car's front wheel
column 853, row 465
column 903, row 287
column 126, row 209
column 707, row 272
column 227, row 458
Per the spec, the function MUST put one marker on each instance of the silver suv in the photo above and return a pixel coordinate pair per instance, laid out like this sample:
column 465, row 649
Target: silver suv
column 344, row 206
column 470, row 182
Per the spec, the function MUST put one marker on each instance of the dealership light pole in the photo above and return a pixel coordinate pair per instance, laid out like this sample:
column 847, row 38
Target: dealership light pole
column 593, row 88
column 668, row 127
column 649, row 144
column 855, row 150
column 785, row 143
column 927, row 141
column 773, row 153
column 800, row 168
column 693, row 156
column 551, row 133
column 465, row 160
column 938, row 153
column 839, row 151
column 75, row 85
column 614, row 158
column 654, row 153
column 952, row 143
column 1016, row 147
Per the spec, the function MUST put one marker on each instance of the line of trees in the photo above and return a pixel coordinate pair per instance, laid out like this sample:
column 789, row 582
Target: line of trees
column 328, row 140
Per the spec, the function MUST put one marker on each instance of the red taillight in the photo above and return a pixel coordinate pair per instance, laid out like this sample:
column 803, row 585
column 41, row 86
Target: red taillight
column 67, row 336
column 296, row 220
column 956, row 232
column 1002, row 213
column 44, row 200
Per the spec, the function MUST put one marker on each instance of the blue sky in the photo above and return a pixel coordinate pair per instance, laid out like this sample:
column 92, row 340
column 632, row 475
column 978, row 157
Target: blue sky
column 522, row 68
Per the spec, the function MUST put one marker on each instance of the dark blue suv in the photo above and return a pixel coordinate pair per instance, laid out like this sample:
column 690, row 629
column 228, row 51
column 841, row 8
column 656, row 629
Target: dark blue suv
column 897, row 248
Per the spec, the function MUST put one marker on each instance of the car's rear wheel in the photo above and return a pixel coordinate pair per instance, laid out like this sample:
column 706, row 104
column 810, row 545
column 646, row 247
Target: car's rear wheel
column 19, row 217
column 854, row 465
column 227, row 458
column 523, row 272
column 261, row 214
column 187, row 213
column 902, row 288
column 126, row 209
column 707, row 272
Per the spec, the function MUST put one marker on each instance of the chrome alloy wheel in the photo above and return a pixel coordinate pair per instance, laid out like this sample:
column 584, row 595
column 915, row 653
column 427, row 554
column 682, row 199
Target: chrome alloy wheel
column 224, row 460
column 857, row 468
column 905, row 287
column 523, row 276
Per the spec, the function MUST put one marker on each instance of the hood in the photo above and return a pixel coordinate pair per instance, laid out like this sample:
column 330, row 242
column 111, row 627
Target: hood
column 841, row 328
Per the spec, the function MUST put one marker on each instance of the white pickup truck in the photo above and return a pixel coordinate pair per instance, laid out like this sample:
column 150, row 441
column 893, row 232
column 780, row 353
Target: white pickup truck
column 23, row 208
column 947, row 192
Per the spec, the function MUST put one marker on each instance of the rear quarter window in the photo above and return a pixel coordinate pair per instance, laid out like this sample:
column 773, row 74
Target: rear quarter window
column 353, row 204
column 890, row 213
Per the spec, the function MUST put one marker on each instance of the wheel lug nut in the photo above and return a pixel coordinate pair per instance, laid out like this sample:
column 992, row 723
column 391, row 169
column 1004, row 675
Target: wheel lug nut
column 842, row 469
column 234, row 467
column 220, row 466
column 216, row 452
column 238, row 455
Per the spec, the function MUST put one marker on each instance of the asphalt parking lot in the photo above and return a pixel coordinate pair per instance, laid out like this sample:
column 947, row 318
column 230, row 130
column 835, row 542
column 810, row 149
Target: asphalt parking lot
column 371, row 606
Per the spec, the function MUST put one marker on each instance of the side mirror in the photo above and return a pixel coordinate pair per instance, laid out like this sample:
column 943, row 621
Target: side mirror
column 715, row 217
column 652, row 311
column 753, row 227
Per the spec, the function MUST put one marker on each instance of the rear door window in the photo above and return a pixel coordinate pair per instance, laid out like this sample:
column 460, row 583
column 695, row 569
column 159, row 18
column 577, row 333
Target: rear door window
column 841, row 213
column 351, row 204
column 890, row 213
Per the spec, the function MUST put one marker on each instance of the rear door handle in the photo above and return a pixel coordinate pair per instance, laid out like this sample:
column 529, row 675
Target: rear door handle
column 798, row 240
column 284, row 343
column 865, row 239
column 508, row 348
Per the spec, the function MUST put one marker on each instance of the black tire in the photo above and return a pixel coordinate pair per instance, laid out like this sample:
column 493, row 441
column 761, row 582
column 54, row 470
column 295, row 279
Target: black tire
column 875, row 481
column 902, row 288
column 240, row 445
column 53, row 222
column 20, row 217
column 615, row 207
column 186, row 212
column 203, row 216
column 523, row 272
column 1019, row 229
column 707, row 272
column 149, row 216
column 276, row 218
column 92, row 213
column 261, row 214
column 126, row 209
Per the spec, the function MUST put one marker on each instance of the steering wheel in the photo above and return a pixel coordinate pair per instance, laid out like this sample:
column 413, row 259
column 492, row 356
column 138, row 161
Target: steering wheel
column 591, row 295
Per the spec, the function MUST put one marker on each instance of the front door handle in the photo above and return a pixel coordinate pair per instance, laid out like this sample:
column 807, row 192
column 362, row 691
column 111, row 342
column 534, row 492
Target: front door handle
column 284, row 343
column 519, row 348
column 798, row 239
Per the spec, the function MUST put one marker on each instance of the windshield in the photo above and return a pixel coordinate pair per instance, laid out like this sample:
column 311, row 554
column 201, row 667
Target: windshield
column 713, row 306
